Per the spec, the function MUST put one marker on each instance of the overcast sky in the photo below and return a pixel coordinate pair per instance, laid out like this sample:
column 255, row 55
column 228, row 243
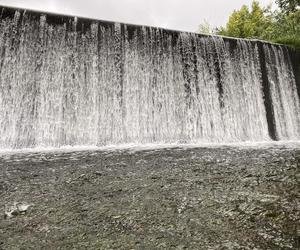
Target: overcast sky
column 173, row 14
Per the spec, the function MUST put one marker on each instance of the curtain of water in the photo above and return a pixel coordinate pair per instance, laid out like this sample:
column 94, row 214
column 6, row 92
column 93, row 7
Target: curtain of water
column 286, row 105
column 106, row 84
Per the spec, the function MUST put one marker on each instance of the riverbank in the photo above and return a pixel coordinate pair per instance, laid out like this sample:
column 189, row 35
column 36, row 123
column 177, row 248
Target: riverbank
column 169, row 198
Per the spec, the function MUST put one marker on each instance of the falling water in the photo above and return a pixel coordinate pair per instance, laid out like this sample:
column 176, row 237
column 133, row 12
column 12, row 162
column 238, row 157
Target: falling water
column 66, row 81
column 286, row 103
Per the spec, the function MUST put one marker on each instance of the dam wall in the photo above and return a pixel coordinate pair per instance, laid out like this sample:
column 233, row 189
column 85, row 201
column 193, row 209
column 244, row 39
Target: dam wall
column 75, row 81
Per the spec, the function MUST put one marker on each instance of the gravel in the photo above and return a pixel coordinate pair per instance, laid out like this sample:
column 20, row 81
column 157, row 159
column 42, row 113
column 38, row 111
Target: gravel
column 170, row 198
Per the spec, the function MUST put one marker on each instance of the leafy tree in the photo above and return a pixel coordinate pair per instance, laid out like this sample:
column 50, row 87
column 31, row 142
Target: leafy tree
column 205, row 28
column 286, row 29
column 237, row 23
column 288, row 6
column 245, row 23
column 280, row 26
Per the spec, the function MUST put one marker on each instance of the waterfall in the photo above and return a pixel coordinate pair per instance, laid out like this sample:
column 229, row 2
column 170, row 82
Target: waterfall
column 73, row 81
column 286, row 103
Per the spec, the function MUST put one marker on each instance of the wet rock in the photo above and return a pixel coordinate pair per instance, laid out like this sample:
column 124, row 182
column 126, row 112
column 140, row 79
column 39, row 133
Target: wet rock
column 16, row 209
column 190, row 202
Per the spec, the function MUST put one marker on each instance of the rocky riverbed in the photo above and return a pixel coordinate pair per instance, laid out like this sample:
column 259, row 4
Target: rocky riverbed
column 170, row 198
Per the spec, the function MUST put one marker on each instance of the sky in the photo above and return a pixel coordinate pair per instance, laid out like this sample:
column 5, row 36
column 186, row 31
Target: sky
column 185, row 15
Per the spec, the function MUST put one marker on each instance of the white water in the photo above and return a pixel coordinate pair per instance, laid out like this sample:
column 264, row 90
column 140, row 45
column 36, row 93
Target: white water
column 284, row 94
column 263, row 145
column 113, row 84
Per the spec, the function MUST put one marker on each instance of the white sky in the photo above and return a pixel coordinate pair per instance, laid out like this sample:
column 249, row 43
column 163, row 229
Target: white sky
column 173, row 14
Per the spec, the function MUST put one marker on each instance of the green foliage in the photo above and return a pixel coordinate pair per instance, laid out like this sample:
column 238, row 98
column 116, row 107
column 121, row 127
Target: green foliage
column 286, row 29
column 247, row 24
column 205, row 28
column 288, row 6
column 261, row 23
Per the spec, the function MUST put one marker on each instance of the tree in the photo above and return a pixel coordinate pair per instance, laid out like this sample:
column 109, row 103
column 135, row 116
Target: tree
column 205, row 28
column 245, row 23
column 288, row 6
column 236, row 23
column 280, row 26
column 286, row 29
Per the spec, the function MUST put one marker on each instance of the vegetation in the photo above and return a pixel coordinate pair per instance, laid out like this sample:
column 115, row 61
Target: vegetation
column 279, row 26
column 288, row 6
column 205, row 28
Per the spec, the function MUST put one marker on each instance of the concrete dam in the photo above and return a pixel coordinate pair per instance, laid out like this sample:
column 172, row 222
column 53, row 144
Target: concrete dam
column 76, row 81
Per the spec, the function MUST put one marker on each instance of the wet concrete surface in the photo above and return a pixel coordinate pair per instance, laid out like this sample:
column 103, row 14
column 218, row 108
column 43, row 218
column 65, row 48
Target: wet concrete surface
column 172, row 198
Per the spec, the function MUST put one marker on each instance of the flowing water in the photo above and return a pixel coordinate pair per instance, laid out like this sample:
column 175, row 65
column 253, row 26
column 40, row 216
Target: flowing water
column 69, row 82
